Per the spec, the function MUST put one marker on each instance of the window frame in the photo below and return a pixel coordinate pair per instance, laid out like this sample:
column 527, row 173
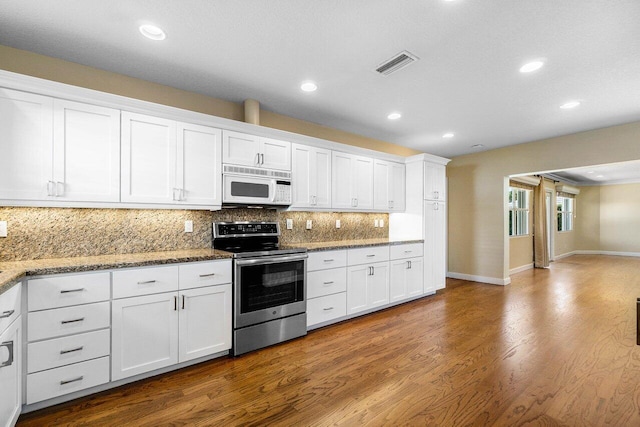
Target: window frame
column 564, row 213
column 522, row 212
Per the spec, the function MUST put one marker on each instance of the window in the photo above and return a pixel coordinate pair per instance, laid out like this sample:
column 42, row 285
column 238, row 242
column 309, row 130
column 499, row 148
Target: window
column 518, row 211
column 564, row 207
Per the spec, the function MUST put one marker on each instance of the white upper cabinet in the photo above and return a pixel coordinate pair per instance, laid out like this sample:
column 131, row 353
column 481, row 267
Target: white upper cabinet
column 249, row 150
column 352, row 181
column 388, row 186
column 148, row 159
column 198, row 172
column 26, row 145
column 435, row 182
column 311, row 177
column 86, row 142
column 167, row 162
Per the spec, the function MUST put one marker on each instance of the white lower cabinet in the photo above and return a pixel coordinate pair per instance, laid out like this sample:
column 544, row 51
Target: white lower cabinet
column 435, row 243
column 10, row 357
column 326, row 308
column 154, row 331
column 367, row 286
column 407, row 271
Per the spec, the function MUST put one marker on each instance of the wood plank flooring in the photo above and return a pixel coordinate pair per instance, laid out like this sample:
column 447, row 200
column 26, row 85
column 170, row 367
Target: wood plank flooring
column 556, row 347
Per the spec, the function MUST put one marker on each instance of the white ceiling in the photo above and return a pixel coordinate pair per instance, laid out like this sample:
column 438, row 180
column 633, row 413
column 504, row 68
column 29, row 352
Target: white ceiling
column 613, row 173
column 466, row 81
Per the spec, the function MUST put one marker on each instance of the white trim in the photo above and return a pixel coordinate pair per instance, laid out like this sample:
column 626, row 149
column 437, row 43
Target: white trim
column 530, row 180
column 521, row 268
column 613, row 253
column 481, row 279
column 567, row 189
column 557, row 257
column 424, row 157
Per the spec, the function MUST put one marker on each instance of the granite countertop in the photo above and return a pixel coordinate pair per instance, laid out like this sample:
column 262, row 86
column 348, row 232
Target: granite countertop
column 11, row 272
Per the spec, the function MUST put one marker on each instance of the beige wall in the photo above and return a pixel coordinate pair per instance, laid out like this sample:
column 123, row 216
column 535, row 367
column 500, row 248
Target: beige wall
column 478, row 236
column 587, row 221
column 45, row 67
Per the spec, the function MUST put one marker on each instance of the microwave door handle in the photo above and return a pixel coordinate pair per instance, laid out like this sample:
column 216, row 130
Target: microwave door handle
column 273, row 191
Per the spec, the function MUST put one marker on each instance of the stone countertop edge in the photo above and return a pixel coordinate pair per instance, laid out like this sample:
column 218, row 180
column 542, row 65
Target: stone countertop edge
column 14, row 271
column 346, row 244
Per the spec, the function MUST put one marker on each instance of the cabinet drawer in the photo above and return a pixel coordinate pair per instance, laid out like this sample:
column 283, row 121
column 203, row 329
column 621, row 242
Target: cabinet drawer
column 64, row 291
column 67, row 379
column 329, row 307
column 69, row 320
column 199, row 274
column 368, row 255
column 10, row 306
column 144, row 281
column 67, row 350
column 325, row 282
column 410, row 250
column 326, row 259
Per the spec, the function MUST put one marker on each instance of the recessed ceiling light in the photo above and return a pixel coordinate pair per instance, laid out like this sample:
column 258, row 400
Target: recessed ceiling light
column 531, row 66
column 448, row 134
column 477, row 146
column 309, row 86
column 152, row 32
column 394, row 116
column 599, row 176
column 569, row 105
column 591, row 172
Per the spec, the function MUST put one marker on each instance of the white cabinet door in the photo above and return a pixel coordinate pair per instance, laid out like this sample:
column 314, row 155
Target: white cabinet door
column 11, row 373
column 240, row 148
column 397, row 187
column 363, row 182
column 148, row 159
column 86, row 152
column 342, row 165
column 144, row 334
column 205, row 321
column 381, row 185
column 199, row 163
column 275, row 154
column 415, row 277
column 435, row 235
column 435, row 182
column 407, row 278
column 311, row 176
column 367, row 286
column 26, row 146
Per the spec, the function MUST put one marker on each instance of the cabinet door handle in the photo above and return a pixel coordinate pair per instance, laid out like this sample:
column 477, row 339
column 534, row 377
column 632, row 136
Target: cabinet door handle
column 64, row 322
column 68, row 291
column 328, row 308
column 176, row 191
column 80, row 378
column 408, row 265
column 262, row 158
column 183, row 302
column 436, row 194
column 257, row 158
column 328, row 283
column 6, row 314
column 146, row 282
column 208, row 275
column 373, row 271
column 175, row 303
column 71, row 350
column 182, row 198
column 9, row 346
column 50, row 188
column 58, row 185
column 435, row 206
column 356, row 200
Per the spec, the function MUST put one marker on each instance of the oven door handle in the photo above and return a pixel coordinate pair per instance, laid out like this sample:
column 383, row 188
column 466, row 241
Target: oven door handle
column 272, row 259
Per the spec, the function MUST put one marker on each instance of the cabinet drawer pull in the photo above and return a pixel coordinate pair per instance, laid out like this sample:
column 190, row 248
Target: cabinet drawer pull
column 80, row 378
column 208, row 275
column 329, row 260
column 327, row 309
column 371, row 256
column 328, row 283
column 9, row 346
column 6, row 314
column 64, row 322
column 407, row 252
column 146, row 282
column 67, row 291
column 71, row 350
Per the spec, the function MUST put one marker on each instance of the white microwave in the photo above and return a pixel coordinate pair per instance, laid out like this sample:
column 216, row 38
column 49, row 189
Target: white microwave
column 254, row 186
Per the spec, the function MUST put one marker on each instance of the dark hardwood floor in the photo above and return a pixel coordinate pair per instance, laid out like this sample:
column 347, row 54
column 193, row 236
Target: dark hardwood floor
column 556, row 347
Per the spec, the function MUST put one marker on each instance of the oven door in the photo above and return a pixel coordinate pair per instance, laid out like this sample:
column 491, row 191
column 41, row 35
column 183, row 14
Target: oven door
column 248, row 189
column 268, row 288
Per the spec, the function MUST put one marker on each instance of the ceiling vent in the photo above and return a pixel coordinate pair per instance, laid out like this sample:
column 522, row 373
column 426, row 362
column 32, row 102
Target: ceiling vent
column 396, row 63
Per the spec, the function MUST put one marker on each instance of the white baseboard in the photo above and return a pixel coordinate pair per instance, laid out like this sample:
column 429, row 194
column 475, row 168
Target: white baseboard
column 557, row 257
column 481, row 279
column 521, row 268
column 614, row 253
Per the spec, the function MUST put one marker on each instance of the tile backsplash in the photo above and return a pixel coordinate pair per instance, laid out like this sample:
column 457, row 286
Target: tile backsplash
column 37, row 233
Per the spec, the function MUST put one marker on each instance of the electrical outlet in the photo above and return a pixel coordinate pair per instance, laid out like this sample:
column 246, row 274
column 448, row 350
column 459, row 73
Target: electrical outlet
column 289, row 224
column 375, row 223
column 309, row 224
column 337, row 223
column 382, row 223
column 3, row 228
column 188, row 226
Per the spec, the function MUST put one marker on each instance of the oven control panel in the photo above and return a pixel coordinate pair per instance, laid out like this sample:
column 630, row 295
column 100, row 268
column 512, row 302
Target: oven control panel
column 229, row 229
